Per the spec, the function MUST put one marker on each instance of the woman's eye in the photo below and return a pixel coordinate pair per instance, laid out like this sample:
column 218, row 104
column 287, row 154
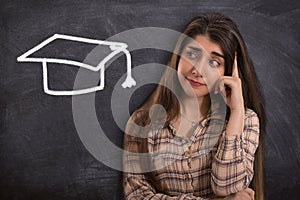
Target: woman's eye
column 191, row 55
column 214, row 63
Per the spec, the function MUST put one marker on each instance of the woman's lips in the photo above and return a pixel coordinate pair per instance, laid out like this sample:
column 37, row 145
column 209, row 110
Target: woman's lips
column 195, row 83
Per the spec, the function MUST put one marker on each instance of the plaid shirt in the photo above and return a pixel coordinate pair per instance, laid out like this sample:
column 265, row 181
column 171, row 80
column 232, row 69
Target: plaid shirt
column 181, row 169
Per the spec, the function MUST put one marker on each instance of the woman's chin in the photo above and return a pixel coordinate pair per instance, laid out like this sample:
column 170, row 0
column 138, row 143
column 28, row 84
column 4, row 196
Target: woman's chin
column 196, row 93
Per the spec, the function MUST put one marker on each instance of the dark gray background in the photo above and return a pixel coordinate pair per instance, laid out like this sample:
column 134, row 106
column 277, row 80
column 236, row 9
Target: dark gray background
column 41, row 155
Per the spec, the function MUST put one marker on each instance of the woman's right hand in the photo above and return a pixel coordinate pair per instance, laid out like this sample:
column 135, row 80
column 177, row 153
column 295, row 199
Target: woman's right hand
column 246, row 194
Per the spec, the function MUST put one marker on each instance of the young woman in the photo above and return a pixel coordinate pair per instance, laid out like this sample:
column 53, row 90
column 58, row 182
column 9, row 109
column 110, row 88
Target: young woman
column 165, row 158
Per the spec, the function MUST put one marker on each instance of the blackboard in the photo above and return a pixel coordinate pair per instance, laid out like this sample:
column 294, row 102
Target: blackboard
column 41, row 153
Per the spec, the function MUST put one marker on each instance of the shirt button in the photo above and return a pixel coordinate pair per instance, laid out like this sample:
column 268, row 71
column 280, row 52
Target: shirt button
column 188, row 176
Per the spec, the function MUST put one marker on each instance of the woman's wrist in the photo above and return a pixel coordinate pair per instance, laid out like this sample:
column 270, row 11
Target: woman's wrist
column 235, row 124
column 237, row 109
column 237, row 113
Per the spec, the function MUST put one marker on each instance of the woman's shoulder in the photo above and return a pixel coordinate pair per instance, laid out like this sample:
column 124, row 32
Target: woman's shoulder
column 251, row 117
column 249, row 113
column 140, row 125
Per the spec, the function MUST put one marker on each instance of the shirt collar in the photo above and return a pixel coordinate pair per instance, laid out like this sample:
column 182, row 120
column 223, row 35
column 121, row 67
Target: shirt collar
column 202, row 123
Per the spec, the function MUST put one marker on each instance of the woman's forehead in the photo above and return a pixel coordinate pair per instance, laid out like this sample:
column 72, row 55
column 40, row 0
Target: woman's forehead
column 204, row 43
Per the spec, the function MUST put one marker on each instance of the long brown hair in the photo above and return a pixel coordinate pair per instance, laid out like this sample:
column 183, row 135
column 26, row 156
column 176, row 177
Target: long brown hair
column 224, row 32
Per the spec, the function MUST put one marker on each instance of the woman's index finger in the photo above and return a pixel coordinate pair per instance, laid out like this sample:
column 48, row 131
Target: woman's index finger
column 235, row 72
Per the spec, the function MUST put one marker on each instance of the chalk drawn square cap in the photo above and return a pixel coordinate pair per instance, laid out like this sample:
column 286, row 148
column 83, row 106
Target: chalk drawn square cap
column 115, row 47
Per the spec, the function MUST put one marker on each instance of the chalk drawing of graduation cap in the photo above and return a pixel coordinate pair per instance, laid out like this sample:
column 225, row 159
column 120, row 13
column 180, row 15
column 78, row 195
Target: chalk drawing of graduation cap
column 115, row 47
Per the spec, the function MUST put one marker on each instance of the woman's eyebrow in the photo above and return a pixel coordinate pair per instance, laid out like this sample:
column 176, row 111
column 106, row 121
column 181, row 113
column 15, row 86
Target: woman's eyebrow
column 218, row 54
column 200, row 50
column 195, row 48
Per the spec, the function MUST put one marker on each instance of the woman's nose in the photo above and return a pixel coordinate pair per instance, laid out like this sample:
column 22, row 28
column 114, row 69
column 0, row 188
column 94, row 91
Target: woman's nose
column 196, row 72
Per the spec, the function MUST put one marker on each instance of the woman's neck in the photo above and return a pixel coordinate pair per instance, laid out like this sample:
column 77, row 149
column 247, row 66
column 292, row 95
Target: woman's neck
column 192, row 110
column 195, row 108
